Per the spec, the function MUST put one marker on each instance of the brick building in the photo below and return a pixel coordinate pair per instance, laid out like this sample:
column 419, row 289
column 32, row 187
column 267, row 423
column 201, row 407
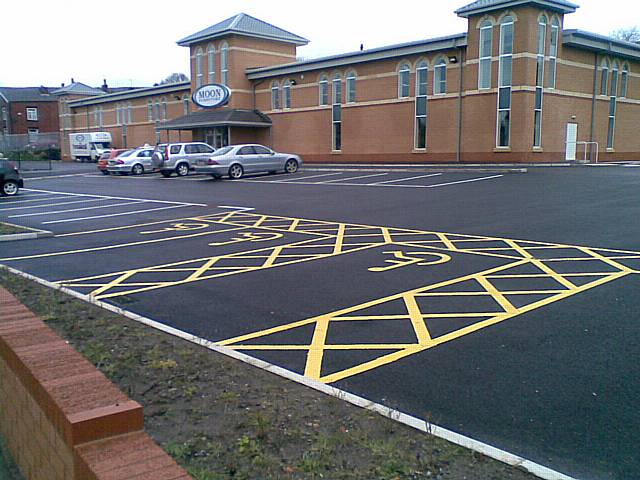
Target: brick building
column 28, row 111
column 516, row 87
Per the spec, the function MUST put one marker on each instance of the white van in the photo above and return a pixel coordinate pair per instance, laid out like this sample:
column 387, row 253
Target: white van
column 89, row 146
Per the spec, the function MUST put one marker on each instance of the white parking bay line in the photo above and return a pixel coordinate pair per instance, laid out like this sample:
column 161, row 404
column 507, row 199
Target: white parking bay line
column 405, row 179
column 119, row 198
column 306, row 178
column 72, row 210
column 54, row 204
column 351, row 178
column 113, row 214
column 461, row 181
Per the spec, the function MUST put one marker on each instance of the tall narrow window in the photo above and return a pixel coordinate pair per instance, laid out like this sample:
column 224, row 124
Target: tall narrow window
column 150, row 110
column 336, row 113
column 421, row 105
column 323, row 90
column 440, row 77
column 613, row 105
column 505, row 75
column 224, row 63
column 542, row 42
column 351, row 87
column 199, row 68
column 485, row 54
column 164, row 108
column 186, row 106
column 624, row 80
column 403, row 80
column 275, row 96
column 129, row 113
column 118, row 114
column 211, row 64
column 286, row 93
column 553, row 53
column 604, row 77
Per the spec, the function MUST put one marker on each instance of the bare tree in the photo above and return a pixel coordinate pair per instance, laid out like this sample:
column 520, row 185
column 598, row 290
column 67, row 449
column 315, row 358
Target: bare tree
column 175, row 78
column 630, row 34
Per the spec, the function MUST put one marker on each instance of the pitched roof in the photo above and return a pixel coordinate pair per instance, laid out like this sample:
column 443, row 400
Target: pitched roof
column 482, row 6
column 243, row 24
column 27, row 94
column 77, row 88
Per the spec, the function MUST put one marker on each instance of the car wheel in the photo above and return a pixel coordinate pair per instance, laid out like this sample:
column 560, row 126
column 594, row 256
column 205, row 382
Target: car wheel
column 166, row 174
column 291, row 166
column 10, row 188
column 137, row 169
column 236, row 171
column 105, row 172
column 182, row 170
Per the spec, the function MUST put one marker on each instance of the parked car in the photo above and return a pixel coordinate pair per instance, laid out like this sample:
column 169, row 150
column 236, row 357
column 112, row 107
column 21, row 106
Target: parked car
column 236, row 160
column 10, row 178
column 136, row 161
column 103, row 162
column 179, row 158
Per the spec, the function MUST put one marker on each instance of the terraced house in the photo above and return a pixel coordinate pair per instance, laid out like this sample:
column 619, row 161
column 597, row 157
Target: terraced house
column 515, row 87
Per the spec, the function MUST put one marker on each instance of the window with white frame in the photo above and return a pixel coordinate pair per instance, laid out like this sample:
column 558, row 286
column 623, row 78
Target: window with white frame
column 164, row 108
column 351, row 86
column 542, row 44
column 150, row 110
column 505, row 76
column 422, row 74
column 624, row 80
column 33, row 134
column 440, row 77
column 286, row 93
column 336, row 114
column 32, row 114
column 186, row 106
column 211, row 64
column 129, row 113
column 156, row 110
column 224, row 63
column 613, row 105
column 403, row 80
column 323, row 90
column 199, row 67
column 275, row 96
column 485, row 54
column 604, row 77
column 613, row 91
column 553, row 53
column 118, row 114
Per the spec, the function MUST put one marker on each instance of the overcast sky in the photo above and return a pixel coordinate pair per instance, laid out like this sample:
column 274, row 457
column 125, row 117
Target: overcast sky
column 134, row 42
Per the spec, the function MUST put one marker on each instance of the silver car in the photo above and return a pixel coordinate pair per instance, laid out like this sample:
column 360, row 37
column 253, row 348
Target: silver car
column 180, row 157
column 236, row 160
column 137, row 162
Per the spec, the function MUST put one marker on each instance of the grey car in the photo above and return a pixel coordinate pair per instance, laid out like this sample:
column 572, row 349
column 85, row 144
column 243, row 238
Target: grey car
column 236, row 160
column 136, row 162
column 179, row 158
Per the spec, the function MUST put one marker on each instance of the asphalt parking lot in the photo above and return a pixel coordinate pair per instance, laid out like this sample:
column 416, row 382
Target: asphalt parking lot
column 502, row 306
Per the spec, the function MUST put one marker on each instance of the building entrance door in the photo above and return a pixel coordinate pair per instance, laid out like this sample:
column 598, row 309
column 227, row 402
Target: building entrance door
column 572, row 141
column 217, row 137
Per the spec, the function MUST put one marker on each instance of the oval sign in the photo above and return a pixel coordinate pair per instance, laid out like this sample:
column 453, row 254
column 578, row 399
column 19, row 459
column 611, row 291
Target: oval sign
column 210, row 96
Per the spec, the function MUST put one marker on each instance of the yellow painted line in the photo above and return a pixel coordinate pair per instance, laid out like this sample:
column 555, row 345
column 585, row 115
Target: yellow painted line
column 474, row 294
column 363, row 346
column 497, row 296
column 114, row 283
column 419, row 327
column 607, row 260
column 263, row 333
column 339, row 239
column 294, row 225
column 272, row 258
column 316, row 349
column 121, row 245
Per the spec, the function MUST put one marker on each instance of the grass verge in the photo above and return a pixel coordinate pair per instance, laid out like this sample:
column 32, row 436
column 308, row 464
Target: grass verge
column 8, row 229
column 223, row 419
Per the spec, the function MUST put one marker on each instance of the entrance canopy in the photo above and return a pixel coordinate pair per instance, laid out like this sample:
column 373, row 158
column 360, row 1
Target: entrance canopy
column 226, row 117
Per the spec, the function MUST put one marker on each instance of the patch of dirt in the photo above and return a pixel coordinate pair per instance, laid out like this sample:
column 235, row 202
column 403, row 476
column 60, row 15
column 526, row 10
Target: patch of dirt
column 223, row 419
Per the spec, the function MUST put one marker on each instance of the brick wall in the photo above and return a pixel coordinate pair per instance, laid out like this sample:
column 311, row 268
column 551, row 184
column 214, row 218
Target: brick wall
column 63, row 419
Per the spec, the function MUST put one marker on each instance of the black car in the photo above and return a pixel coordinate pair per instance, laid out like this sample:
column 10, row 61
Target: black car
column 10, row 179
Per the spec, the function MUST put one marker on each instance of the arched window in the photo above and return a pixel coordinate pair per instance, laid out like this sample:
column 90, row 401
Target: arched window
column 323, row 90
column 224, row 63
column 186, row 106
column 613, row 92
column 440, row 77
column 337, row 89
column 542, row 46
column 485, row 54
column 336, row 113
column 199, row 68
column 403, row 80
column 211, row 63
column 553, row 52
column 505, row 76
column 624, row 80
column 604, row 77
column 286, row 93
column 275, row 96
column 351, row 87
column 422, row 72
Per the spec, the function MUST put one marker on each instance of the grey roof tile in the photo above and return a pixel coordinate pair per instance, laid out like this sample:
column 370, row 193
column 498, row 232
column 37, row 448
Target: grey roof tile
column 481, row 6
column 243, row 24
column 28, row 94
column 78, row 88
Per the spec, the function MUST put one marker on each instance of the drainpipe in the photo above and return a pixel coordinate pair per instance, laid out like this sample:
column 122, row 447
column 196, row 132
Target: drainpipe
column 593, row 106
column 459, row 147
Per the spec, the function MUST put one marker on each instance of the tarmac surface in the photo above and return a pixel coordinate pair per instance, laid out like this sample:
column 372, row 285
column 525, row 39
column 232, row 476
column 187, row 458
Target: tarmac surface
column 502, row 306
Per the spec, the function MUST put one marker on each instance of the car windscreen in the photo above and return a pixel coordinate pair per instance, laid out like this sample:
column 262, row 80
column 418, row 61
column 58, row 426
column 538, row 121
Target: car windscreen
column 222, row 151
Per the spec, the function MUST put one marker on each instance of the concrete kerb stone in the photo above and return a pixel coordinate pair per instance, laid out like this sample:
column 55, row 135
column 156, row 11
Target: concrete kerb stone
column 32, row 234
